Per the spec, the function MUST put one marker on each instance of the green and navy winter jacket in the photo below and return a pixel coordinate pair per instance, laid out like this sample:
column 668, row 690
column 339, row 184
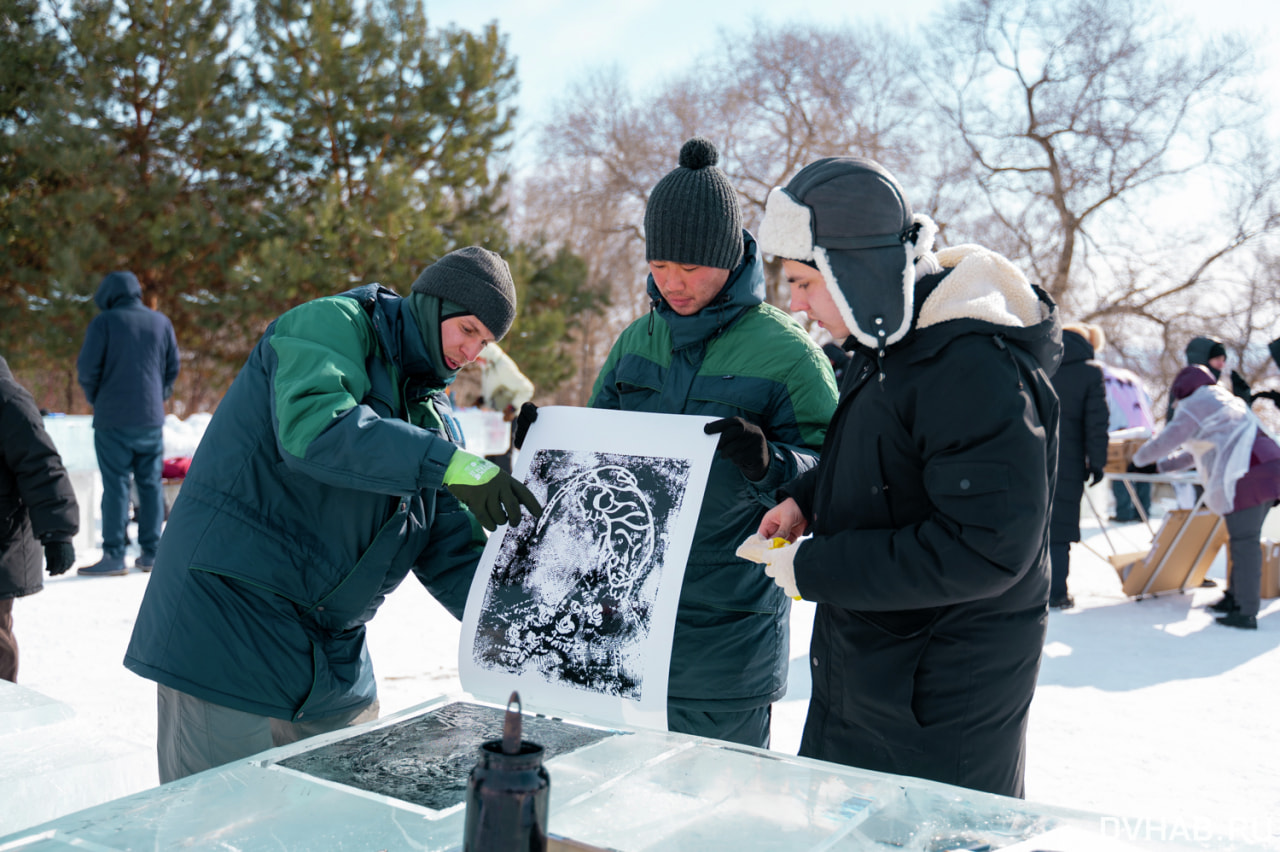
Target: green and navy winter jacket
column 315, row 490
column 737, row 357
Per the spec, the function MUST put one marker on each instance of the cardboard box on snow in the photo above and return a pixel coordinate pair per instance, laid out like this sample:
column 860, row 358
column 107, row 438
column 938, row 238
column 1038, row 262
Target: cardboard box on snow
column 1270, row 568
column 1120, row 453
column 1175, row 567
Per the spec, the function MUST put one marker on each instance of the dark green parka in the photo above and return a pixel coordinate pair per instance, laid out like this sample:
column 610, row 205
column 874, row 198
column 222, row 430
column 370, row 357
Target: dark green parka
column 316, row 489
column 736, row 357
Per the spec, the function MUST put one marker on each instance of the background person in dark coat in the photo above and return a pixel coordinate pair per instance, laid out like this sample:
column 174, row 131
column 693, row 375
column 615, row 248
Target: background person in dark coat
column 1082, row 447
column 929, row 506
column 127, row 366
column 38, row 508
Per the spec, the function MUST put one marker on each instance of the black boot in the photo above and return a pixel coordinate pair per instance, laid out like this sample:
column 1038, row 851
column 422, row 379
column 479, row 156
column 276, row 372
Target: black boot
column 1235, row 619
column 1226, row 604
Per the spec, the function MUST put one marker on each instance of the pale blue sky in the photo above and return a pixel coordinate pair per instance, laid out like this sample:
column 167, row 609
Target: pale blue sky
column 556, row 42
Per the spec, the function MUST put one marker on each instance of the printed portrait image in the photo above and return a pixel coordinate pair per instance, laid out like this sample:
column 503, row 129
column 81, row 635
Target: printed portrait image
column 571, row 594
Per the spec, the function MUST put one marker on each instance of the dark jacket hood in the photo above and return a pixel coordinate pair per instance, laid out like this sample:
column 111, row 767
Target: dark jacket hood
column 1201, row 349
column 117, row 289
column 401, row 339
column 743, row 290
column 1075, row 348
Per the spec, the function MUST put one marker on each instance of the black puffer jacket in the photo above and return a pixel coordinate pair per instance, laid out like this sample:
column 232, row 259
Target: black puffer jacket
column 1082, row 432
column 929, row 514
column 37, row 502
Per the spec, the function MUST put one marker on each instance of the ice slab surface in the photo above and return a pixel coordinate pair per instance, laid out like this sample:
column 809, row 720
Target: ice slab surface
column 428, row 760
column 22, row 708
column 647, row 790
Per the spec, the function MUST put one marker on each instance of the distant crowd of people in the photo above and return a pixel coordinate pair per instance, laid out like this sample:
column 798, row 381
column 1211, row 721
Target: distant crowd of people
column 921, row 475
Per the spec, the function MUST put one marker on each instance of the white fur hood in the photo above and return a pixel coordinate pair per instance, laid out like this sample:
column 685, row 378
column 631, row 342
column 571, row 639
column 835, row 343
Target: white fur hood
column 983, row 286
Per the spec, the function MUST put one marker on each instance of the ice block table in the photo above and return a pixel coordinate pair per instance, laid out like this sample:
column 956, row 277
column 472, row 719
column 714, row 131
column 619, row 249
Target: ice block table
column 51, row 764
column 399, row 784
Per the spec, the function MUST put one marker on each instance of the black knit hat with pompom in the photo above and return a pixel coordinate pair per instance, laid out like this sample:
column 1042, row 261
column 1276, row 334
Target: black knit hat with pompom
column 693, row 215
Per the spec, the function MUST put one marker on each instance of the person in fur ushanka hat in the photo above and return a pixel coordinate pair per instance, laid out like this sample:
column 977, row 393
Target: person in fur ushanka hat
column 928, row 511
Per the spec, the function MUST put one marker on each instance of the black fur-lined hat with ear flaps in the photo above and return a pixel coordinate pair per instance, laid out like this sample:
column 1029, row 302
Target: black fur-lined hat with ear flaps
column 849, row 218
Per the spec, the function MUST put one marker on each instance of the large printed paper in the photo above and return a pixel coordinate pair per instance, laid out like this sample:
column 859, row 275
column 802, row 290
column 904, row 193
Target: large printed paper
column 576, row 610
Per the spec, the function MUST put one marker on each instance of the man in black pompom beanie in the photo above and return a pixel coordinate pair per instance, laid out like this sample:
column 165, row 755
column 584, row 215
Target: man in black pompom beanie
column 693, row 216
column 330, row 471
column 711, row 346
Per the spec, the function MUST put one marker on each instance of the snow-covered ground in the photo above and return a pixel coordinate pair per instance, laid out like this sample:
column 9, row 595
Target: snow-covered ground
column 1145, row 709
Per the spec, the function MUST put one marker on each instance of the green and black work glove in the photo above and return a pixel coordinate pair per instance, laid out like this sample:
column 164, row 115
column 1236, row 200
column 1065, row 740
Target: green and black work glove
column 493, row 495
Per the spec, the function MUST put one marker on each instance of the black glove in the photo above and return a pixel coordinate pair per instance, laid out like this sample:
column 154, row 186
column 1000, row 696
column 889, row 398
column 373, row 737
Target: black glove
column 528, row 414
column 1146, row 468
column 742, row 443
column 1095, row 475
column 1240, row 387
column 59, row 556
column 1274, row 396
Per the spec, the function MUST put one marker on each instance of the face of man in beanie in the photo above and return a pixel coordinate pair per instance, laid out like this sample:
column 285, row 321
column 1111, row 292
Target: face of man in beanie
column 461, row 339
column 809, row 293
column 685, row 287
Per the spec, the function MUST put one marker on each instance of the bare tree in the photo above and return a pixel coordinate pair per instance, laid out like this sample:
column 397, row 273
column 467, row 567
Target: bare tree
column 1117, row 154
column 1071, row 109
column 771, row 100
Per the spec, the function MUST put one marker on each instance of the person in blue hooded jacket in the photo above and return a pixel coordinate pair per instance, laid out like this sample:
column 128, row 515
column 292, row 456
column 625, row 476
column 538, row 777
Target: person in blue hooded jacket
column 127, row 366
column 329, row 472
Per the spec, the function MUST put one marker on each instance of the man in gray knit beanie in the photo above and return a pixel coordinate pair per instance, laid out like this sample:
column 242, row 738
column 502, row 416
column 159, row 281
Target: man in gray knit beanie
column 712, row 347
column 476, row 280
column 333, row 455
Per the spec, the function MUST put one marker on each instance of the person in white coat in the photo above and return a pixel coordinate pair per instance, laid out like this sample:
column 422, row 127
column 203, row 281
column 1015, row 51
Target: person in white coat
column 504, row 389
column 1239, row 465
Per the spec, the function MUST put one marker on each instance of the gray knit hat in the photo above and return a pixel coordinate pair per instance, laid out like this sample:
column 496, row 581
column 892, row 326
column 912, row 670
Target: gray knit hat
column 693, row 214
column 477, row 279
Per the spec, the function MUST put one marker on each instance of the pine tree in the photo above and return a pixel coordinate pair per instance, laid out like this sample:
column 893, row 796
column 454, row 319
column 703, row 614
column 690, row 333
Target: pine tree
column 554, row 296
column 390, row 132
column 146, row 157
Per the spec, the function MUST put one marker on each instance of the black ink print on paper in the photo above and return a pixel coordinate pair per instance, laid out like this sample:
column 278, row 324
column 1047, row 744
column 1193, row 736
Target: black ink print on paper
column 571, row 595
